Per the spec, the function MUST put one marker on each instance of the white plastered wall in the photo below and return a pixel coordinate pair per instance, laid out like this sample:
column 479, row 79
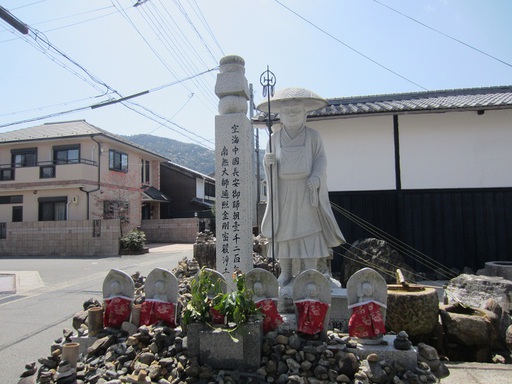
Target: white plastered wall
column 456, row 150
column 360, row 153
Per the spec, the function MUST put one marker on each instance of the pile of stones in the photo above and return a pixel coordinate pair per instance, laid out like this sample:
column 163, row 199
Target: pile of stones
column 158, row 354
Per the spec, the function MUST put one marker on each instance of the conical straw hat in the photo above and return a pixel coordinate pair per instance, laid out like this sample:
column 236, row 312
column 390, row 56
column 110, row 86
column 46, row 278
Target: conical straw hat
column 311, row 100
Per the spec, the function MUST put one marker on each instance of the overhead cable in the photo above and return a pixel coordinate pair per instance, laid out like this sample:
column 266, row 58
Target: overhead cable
column 444, row 34
column 349, row 47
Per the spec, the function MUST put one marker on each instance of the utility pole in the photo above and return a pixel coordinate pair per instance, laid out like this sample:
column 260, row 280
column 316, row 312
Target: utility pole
column 13, row 21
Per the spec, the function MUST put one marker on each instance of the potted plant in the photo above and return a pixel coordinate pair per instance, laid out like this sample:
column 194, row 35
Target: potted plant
column 236, row 306
column 234, row 344
column 202, row 288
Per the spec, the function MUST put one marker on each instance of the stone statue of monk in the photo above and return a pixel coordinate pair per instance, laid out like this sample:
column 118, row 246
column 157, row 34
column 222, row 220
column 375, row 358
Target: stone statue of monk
column 304, row 226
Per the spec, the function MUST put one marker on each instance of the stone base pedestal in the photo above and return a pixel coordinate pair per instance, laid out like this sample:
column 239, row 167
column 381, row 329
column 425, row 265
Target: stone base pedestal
column 339, row 314
column 238, row 350
column 408, row 359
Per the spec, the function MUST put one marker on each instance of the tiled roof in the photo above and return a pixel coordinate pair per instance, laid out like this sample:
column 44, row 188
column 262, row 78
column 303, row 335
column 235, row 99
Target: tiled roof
column 452, row 99
column 52, row 130
column 61, row 130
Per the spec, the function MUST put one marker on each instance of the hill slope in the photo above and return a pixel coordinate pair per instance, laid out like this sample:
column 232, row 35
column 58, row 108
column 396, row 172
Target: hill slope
column 191, row 156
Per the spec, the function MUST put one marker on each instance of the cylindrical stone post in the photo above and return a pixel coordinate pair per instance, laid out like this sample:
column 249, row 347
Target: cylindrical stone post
column 95, row 320
column 234, row 169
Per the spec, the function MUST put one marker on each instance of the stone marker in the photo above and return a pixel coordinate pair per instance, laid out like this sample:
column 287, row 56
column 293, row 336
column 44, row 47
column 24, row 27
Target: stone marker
column 234, row 168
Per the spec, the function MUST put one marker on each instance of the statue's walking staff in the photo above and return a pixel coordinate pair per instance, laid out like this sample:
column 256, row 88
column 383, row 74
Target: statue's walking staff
column 268, row 81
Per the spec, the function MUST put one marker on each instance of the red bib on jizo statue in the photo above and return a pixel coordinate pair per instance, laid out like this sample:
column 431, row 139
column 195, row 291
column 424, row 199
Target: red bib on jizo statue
column 271, row 317
column 117, row 311
column 311, row 316
column 366, row 320
column 152, row 312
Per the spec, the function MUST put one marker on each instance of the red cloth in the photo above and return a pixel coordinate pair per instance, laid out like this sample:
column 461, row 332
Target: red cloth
column 271, row 317
column 217, row 317
column 311, row 316
column 152, row 312
column 117, row 311
column 366, row 321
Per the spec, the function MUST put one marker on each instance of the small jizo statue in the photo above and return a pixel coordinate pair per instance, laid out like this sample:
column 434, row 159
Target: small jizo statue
column 265, row 291
column 312, row 299
column 118, row 293
column 161, row 289
column 367, row 297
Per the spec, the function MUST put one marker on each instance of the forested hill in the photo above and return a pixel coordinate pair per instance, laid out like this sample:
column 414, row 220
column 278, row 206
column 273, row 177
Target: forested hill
column 191, row 156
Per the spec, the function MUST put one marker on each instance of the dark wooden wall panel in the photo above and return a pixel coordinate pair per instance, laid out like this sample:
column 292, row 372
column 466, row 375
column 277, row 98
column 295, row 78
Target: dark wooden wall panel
column 455, row 228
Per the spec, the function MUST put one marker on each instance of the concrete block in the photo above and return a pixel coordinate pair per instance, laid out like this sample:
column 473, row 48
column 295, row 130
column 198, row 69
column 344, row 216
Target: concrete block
column 238, row 349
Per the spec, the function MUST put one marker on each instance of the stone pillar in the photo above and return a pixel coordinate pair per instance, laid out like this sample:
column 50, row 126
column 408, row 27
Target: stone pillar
column 234, row 146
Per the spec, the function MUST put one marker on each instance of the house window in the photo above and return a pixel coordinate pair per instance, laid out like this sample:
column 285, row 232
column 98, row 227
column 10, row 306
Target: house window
column 26, row 157
column 52, row 208
column 117, row 161
column 209, row 190
column 14, row 199
column 17, row 214
column 7, row 174
column 115, row 209
column 145, row 171
column 47, row 172
column 66, row 154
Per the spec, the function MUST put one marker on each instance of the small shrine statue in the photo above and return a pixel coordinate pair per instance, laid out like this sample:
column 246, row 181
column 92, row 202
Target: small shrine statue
column 118, row 292
column 265, row 290
column 161, row 289
column 312, row 298
column 367, row 297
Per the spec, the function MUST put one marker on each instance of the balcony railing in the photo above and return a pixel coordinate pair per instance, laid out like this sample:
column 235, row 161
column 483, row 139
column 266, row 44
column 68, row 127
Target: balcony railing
column 41, row 170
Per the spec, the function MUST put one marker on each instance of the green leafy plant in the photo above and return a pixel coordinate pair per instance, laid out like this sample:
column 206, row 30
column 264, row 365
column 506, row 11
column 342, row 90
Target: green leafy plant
column 237, row 306
column 135, row 240
column 202, row 288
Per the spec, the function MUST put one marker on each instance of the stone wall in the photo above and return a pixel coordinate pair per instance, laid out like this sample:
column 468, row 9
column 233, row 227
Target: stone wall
column 173, row 230
column 60, row 238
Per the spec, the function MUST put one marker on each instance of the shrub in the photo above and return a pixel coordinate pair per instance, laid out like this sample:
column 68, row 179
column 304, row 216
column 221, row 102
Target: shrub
column 135, row 240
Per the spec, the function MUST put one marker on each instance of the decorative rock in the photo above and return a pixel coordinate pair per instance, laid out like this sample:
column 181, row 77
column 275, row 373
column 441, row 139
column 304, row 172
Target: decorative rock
column 282, row 339
column 508, row 338
column 429, row 355
column 402, row 341
column 373, row 358
column 380, row 255
column 474, row 290
column 141, row 378
column 342, row 379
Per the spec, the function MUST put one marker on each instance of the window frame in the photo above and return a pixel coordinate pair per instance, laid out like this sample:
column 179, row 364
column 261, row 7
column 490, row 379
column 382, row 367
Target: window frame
column 24, row 152
column 17, row 214
column 66, row 149
column 53, row 201
column 117, row 161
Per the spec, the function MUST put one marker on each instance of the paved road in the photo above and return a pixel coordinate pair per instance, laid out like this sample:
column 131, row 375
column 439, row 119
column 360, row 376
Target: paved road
column 49, row 291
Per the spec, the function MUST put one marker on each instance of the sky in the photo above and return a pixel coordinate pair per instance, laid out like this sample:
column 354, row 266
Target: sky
column 78, row 54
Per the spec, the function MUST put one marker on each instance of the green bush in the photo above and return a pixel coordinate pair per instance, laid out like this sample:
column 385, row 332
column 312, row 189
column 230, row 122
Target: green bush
column 135, row 240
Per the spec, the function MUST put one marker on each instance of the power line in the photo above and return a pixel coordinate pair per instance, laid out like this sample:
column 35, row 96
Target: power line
column 444, row 34
column 349, row 47
column 49, row 49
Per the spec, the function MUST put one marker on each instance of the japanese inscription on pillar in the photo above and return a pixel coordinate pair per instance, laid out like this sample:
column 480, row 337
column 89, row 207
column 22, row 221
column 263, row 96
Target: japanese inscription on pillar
column 234, row 148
